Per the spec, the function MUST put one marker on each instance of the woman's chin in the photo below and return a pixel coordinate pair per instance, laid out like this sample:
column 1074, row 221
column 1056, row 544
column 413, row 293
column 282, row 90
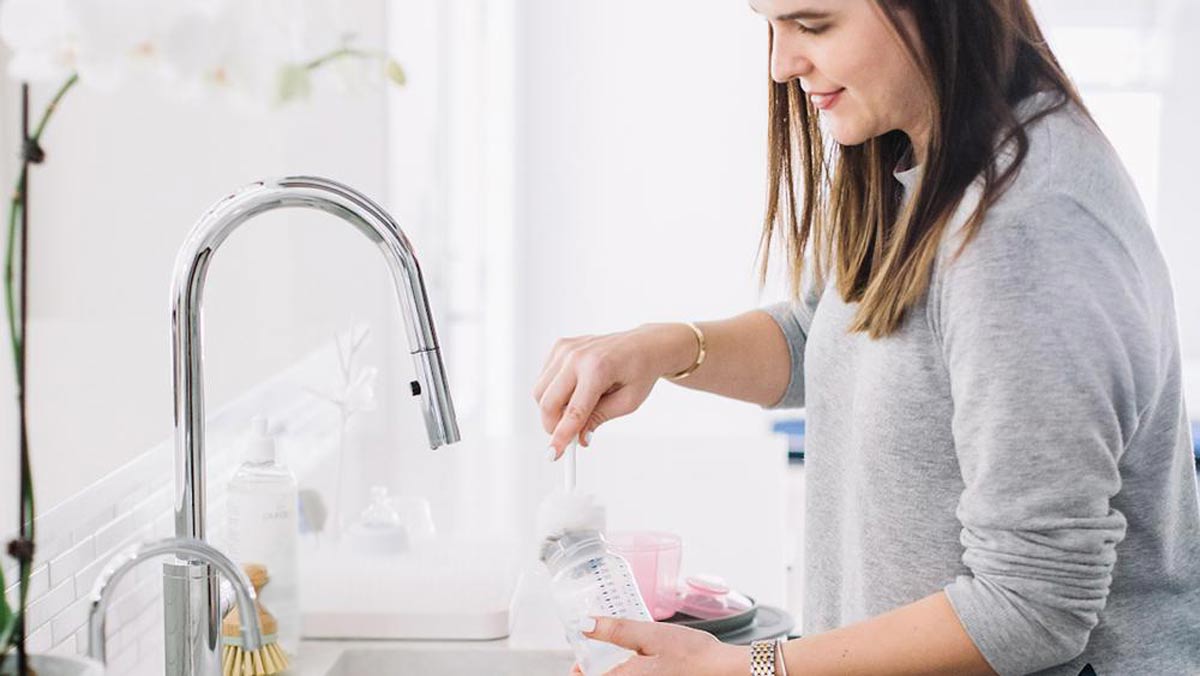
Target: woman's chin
column 847, row 134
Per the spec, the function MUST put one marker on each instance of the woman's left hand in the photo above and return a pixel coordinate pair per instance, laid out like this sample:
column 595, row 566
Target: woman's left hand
column 668, row 650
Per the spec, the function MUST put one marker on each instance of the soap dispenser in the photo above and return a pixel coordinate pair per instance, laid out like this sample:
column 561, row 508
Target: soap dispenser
column 263, row 527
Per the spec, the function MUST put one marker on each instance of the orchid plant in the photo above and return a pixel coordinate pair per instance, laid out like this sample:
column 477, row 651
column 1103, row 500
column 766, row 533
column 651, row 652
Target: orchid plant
column 253, row 54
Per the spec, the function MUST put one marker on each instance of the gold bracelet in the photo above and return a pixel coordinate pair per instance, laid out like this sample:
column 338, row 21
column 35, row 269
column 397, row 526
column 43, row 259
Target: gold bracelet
column 781, row 667
column 699, row 358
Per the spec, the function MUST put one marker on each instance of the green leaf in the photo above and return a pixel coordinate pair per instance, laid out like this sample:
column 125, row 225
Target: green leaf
column 8, row 619
column 294, row 83
column 395, row 72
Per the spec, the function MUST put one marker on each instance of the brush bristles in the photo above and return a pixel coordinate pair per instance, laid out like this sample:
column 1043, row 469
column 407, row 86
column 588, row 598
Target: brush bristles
column 269, row 659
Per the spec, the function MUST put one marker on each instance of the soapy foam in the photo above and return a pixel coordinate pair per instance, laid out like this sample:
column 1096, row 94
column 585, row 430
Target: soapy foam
column 563, row 511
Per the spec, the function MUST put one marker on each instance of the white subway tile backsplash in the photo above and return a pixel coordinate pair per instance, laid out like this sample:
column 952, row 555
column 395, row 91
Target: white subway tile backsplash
column 109, row 491
column 65, row 624
column 68, row 563
column 38, row 584
column 131, row 501
column 116, row 637
column 152, row 570
column 93, row 522
column 153, row 506
column 116, row 532
column 50, row 604
column 50, row 545
column 67, row 647
column 151, row 653
column 81, row 640
column 86, row 577
column 123, row 660
column 38, row 641
column 126, row 608
column 147, row 632
column 78, row 538
column 164, row 524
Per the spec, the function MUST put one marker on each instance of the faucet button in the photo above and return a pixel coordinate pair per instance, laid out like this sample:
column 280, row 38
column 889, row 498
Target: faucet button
column 416, row 388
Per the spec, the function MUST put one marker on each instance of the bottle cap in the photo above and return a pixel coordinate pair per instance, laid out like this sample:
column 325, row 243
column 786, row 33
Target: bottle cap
column 260, row 445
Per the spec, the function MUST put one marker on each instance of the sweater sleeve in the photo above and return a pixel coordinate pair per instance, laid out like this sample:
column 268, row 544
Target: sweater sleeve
column 794, row 318
column 1041, row 321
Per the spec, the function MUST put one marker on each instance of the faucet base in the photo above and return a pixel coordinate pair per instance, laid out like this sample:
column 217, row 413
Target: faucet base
column 191, row 596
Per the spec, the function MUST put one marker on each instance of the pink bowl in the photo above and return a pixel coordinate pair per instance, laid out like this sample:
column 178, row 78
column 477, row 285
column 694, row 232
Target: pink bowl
column 654, row 557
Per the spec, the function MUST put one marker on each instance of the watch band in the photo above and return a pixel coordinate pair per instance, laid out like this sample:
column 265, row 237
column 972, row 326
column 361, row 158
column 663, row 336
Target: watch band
column 762, row 658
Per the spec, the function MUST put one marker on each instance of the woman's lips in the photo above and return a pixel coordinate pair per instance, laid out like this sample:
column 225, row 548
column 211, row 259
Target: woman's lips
column 826, row 100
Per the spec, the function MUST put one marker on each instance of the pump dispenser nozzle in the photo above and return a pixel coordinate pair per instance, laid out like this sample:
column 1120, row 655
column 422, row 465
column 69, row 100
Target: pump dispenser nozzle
column 260, row 445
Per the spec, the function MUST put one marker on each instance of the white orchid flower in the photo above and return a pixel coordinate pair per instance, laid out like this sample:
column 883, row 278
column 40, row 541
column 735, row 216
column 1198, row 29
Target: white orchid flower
column 255, row 53
column 107, row 42
column 43, row 36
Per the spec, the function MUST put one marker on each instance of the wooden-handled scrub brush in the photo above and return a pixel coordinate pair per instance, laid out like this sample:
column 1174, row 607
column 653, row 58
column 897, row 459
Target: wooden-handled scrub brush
column 235, row 659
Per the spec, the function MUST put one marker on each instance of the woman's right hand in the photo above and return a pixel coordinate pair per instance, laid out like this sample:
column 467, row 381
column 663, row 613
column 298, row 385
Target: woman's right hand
column 589, row 380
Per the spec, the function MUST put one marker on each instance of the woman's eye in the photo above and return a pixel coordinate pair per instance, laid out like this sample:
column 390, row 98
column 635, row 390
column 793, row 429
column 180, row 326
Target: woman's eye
column 805, row 28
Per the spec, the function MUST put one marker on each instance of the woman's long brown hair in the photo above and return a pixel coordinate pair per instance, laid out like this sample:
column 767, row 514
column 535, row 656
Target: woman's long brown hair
column 979, row 58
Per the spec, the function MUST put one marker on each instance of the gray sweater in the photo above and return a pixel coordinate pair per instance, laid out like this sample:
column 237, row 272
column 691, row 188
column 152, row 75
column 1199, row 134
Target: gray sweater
column 1021, row 442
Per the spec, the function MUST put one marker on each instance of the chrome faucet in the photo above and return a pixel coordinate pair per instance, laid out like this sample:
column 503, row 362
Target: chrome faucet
column 195, row 596
column 195, row 550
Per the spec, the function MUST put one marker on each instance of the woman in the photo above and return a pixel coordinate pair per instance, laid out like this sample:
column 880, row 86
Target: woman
column 983, row 335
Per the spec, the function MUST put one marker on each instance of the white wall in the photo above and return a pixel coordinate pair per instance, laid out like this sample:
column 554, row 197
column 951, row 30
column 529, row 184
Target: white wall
column 639, row 183
column 1178, row 221
column 1135, row 66
column 125, row 178
column 640, row 147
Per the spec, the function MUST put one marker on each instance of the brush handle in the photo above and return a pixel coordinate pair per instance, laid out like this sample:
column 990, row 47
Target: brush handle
column 231, row 625
column 569, row 467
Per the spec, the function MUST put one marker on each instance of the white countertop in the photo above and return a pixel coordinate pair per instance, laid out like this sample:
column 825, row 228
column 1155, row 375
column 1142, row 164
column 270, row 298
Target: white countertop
column 331, row 658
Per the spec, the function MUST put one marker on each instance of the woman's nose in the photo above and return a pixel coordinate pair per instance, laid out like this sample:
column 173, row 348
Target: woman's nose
column 787, row 61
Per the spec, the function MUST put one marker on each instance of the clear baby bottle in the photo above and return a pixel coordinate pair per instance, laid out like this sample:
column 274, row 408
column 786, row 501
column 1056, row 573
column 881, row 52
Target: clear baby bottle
column 588, row 579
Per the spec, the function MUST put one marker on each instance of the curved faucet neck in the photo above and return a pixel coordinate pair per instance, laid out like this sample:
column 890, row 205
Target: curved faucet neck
column 191, row 268
column 196, row 597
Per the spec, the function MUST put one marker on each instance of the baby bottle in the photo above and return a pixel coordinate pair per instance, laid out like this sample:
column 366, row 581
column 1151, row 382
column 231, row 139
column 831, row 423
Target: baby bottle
column 588, row 579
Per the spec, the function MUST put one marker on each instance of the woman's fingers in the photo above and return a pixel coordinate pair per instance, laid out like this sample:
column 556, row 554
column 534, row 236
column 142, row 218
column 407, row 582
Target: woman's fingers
column 575, row 414
column 551, row 368
column 590, row 380
column 635, row 635
column 555, row 397
column 618, row 401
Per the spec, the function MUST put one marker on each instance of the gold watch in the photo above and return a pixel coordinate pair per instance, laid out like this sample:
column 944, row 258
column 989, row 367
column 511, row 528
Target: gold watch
column 762, row 658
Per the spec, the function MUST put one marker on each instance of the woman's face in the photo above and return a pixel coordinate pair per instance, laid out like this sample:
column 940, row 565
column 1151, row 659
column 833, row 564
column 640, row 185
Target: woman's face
column 852, row 65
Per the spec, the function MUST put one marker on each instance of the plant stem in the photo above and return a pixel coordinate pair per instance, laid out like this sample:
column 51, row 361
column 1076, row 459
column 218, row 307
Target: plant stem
column 17, row 328
column 14, row 216
column 25, row 535
column 337, row 54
